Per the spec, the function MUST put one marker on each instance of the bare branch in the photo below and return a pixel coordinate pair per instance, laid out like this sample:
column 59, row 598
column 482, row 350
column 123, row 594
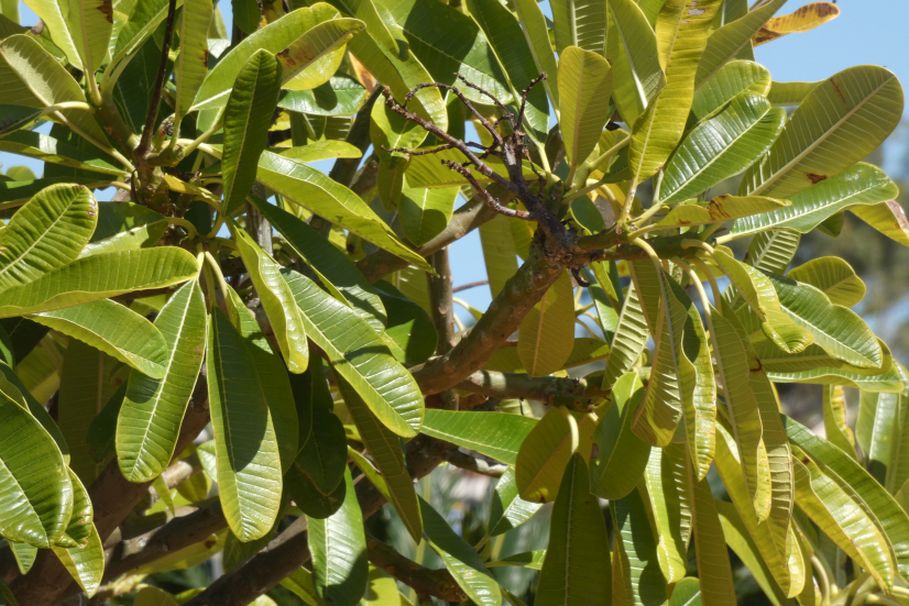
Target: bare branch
column 575, row 393
column 468, row 462
column 426, row 582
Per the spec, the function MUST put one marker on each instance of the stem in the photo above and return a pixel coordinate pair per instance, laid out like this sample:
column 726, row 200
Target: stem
column 158, row 88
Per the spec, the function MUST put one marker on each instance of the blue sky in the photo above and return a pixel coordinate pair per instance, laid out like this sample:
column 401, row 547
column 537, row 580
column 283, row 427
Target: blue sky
column 867, row 32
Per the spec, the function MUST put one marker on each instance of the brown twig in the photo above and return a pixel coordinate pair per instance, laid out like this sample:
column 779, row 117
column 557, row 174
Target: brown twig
column 426, row 582
column 142, row 149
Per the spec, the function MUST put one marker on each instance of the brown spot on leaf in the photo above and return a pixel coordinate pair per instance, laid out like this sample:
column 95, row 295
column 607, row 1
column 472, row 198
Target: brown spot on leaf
column 107, row 8
column 837, row 89
column 815, row 178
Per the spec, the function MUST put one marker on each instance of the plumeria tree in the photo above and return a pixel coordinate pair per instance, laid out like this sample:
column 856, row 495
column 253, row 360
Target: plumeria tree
column 230, row 337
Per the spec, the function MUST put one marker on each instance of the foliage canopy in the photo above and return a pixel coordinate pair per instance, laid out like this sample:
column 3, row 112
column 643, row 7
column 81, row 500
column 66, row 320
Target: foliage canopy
column 240, row 357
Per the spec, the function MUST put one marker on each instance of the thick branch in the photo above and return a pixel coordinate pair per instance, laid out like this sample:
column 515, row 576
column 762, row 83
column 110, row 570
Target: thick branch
column 517, row 298
column 440, row 295
column 551, row 390
column 426, row 582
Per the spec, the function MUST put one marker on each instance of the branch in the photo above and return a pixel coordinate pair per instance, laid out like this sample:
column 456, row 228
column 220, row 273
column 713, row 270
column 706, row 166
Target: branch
column 141, row 153
column 426, row 582
column 502, row 318
column 478, row 465
column 551, row 390
column 440, row 294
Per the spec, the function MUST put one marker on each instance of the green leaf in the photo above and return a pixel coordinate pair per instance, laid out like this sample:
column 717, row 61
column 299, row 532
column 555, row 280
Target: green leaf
column 877, row 430
column 55, row 151
column 507, row 42
column 580, row 23
column 772, row 250
column 862, row 184
column 536, row 33
column 114, row 329
column 246, row 120
column 46, row 233
column 721, row 147
column 734, row 38
column 861, row 487
column 307, row 34
column 340, row 96
column 686, row 592
column 499, row 254
column 131, row 34
column 844, row 521
column 149, row 421
column 461, row 560
column 388, row 456
column 836, row 329
column 37, row 80
column 332, row 265
column 577, row 565
column 715, row 571
column 249, row 466
column 507, row 510
column 544, row 454
column 834, row 277
column 90, row 278
column 622, row 454
column 458, row 49
column 733, row 372
column 671, row 375
column 637, row 578
column 86, row 563
column 338, row 548
column 759, row 292
column 671, row 504
column 424, row 212
column 839, row 122
column 787, row 572
column 546, row 334
column 629, row 340
column 277, row 301
column 36, row 494
column 888, row 218
column 585, row 81
column 836, row 428
column 358, row 355
column 720, row 209
column 631, row 47
column 80, row 28
column 79, row 528
column 191, row 64
column 495, row 434
column 733, row 79
column 681, row 30
column 334, row 202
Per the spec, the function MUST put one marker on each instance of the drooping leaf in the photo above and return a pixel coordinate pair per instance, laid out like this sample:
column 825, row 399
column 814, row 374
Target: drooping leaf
column 387, row 453
column 628, row 340
column 246, row 120
column 46, row 233
column 35, row 492
column 149, row 421
column 838, row 123
column 577, row 565
column 671, row 504
column 191, row 64
column 637, row 578
column 714, row 569
column 632, row 50
column 338, row 548
column 584, row 80
column 508, row 510
column 803, row 19
column 536, row 33
column 544, row 454
column 249, row 462
column 495, row 434
column 277, row 301
column 332, row 201
column 358, row 355
column 580, row 23
column 622, row 454
column 84, row 563
column 90, row 278
column 461, row 560
column 546, row 335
